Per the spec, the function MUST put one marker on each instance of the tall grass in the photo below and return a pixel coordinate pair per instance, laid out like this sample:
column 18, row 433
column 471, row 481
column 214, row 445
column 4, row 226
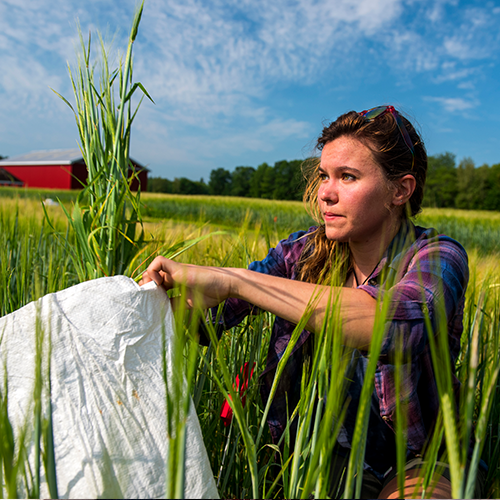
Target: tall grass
column 229, row 212
column 106, row 215
column 30, row 266
column 104, row 235
column 224, row 443
column 474, row 229
column 30, row 263
column 243, row 459
column 101, row 239
column 478, row 231
column 304, row 472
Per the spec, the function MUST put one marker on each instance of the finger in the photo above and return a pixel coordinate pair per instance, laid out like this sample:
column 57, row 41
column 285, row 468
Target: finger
column 145, row 279
column 158, row 271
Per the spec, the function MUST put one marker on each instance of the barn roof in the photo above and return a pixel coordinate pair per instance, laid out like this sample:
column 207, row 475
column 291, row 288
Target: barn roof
column 50, row 157
column 58, row 156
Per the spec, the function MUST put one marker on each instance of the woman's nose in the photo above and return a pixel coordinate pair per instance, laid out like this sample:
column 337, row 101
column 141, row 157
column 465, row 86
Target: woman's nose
column 328, row 193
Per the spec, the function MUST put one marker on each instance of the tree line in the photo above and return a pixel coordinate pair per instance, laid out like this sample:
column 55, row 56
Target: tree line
column 282, row 181
column 463, row 186
column 448, row 185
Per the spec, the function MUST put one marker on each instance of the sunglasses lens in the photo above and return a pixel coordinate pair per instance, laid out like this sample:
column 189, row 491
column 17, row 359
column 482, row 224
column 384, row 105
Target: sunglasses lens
column 404, row 133
column 374, row 112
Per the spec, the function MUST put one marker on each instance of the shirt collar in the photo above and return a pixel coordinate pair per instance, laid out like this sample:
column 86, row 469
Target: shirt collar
column 396, row 251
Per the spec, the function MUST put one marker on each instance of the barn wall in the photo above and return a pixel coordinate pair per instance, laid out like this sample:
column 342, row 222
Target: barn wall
column 80, row 172
column 143, row 180
column 143, row 177
column 42, row 176
column 63, row 176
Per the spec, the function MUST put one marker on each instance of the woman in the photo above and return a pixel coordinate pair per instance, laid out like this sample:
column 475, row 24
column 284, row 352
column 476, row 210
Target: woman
column 369, row 179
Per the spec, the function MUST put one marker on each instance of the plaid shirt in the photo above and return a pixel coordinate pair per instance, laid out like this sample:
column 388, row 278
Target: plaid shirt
column 429, row 267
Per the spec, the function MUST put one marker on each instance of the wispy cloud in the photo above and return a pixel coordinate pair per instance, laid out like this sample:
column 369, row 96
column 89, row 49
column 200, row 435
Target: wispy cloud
column 205, row 51
column 440, row 35
column 171, row 144
column 450, row 72
column 218, row 57
column 455, row 104
column 211, row 66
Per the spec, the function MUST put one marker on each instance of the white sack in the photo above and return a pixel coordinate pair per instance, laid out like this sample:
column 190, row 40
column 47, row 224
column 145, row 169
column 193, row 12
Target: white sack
column 108, row 395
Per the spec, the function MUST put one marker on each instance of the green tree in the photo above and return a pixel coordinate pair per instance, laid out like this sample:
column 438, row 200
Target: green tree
column 261, row 183
column 182, row 185
column 481, row 188
column 491, row 199
column 287, row 180
column 241, row 180
column 159, row 185
column 470, row 185
column 268, row 183
column 441, row 185
column 220, row 182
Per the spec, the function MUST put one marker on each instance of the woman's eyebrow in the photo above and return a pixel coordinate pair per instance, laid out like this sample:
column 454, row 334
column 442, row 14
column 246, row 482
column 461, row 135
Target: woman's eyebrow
column 343, row 168
column 350, row 169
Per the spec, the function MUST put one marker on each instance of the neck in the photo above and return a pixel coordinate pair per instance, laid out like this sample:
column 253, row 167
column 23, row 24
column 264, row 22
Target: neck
column 367, row 254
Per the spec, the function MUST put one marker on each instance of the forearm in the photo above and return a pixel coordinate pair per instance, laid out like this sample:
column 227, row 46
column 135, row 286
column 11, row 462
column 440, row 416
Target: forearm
column 208, row 286
column 292, row 299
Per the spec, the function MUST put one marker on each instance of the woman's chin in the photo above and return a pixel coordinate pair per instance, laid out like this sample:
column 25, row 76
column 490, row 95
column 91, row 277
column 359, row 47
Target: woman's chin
column 336, row 236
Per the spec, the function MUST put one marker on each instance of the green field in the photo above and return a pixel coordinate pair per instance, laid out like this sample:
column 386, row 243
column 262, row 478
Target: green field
column 476, row 230
column 33, row 262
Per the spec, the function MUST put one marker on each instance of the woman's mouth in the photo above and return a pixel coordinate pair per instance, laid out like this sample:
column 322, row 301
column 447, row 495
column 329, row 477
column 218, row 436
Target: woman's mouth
column 331, row 216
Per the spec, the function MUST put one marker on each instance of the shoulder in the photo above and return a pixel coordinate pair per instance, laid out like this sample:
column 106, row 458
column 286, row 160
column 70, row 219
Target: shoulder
column 297, row 239
column 439, row 259
column 279, row 260
column 429, row 241
column 291, row 248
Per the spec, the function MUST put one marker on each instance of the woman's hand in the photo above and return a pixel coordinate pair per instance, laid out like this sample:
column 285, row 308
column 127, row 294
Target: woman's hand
column 202, row 286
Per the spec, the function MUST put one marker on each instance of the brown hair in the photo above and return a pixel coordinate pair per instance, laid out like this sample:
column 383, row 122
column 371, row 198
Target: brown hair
column 390, row 151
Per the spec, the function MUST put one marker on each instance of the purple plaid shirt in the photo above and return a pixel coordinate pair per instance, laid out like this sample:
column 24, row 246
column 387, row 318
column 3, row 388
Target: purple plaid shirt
column 430, row 267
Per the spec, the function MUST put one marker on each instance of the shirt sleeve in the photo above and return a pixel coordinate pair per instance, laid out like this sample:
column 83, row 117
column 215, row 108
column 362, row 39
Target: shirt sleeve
column 433, row 284
column 280, row 261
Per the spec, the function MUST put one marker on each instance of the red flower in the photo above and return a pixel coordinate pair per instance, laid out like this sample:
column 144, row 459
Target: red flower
column 226, row 412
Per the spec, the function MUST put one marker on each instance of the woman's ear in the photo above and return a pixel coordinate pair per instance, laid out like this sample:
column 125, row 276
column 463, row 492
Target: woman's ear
column 404, row 189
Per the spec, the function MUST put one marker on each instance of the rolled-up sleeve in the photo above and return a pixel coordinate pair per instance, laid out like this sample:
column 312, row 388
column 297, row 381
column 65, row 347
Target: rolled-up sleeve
column 280, row 261
column 433, row 284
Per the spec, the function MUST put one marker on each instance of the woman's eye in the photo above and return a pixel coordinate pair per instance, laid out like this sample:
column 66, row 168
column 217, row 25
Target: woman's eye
column 323, row 176
column 348, row 177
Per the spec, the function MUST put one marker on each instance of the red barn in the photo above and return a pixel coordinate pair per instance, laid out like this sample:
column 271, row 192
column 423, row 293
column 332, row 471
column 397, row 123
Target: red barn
column 7, row 179
column 57, row 169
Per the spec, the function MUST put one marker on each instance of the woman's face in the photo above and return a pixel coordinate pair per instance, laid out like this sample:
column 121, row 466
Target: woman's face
column 354, row 197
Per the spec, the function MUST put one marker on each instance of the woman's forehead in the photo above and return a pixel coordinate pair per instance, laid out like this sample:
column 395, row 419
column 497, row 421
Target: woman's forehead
column 347, row 152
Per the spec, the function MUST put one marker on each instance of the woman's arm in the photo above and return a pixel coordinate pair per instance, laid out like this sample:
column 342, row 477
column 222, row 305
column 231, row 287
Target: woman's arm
column 289, row 299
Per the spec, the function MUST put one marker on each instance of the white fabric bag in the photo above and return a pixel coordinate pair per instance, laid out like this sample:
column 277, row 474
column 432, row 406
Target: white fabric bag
column 108, row 393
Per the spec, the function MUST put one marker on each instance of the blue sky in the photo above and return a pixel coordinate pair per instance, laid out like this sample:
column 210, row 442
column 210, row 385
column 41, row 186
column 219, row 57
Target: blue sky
column 241, row 82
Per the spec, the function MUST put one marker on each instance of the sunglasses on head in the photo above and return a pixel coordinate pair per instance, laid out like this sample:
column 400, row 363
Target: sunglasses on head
column 371, row 114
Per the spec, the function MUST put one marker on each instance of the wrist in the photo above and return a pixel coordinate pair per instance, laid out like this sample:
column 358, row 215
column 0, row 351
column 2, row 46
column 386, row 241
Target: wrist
column 232, row 282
